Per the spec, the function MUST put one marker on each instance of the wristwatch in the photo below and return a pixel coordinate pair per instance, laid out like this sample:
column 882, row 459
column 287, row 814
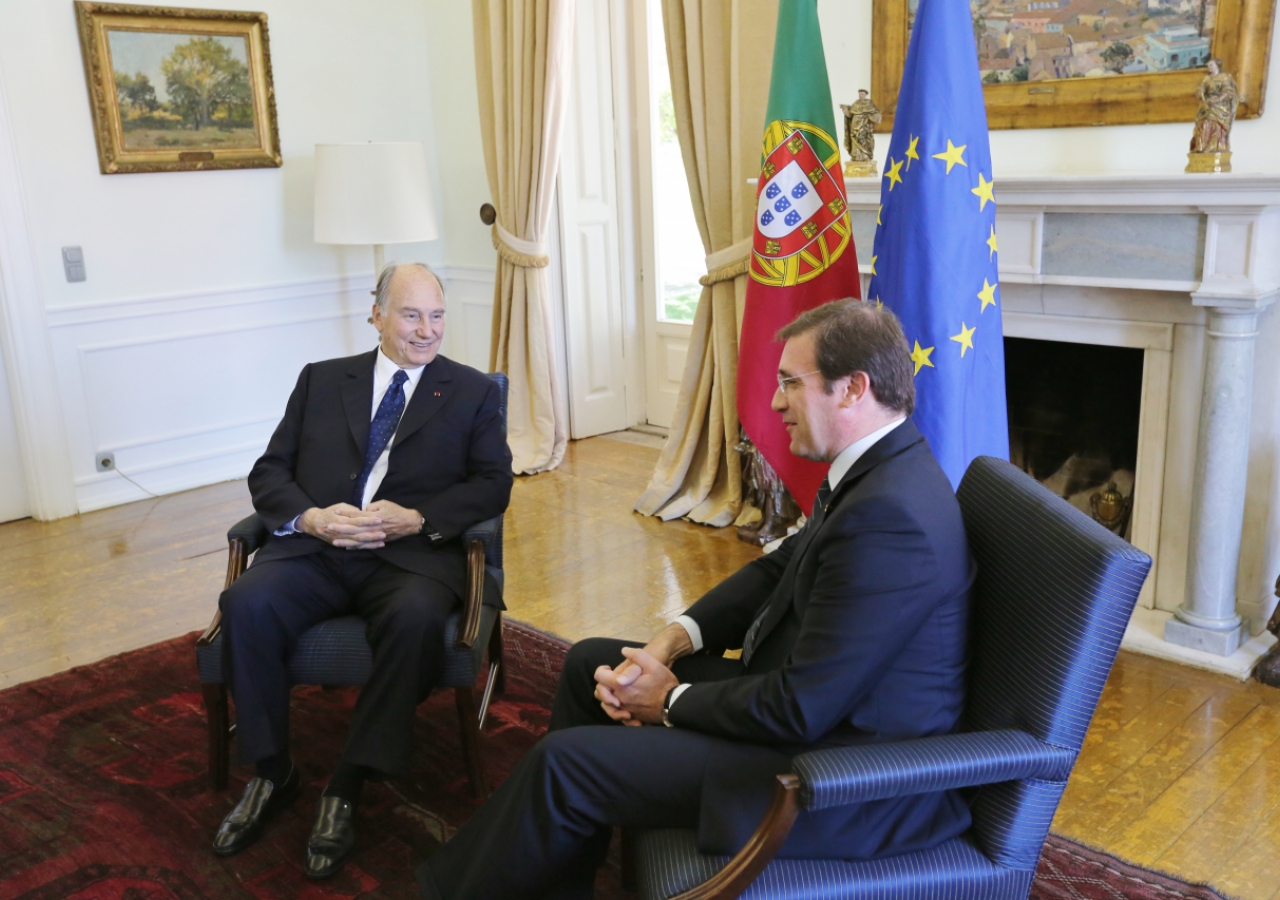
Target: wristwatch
column 666, row 708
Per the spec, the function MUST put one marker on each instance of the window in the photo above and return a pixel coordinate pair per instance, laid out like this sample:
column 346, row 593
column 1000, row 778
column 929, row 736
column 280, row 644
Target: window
column 677, row 245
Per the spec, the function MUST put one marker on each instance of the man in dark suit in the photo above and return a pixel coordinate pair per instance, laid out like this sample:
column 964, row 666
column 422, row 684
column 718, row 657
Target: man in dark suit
column 380, row 463
column 853, row 631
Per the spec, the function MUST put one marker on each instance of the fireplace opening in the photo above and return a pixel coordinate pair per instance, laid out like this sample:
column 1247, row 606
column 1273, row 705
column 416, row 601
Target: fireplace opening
column 1073, row 422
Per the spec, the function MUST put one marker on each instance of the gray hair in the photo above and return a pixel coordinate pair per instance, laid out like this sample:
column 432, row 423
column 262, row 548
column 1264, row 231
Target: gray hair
column 381, row 293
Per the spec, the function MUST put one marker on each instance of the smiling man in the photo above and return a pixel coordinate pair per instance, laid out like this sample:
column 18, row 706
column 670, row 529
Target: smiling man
column 379, row 465
column 852, row 632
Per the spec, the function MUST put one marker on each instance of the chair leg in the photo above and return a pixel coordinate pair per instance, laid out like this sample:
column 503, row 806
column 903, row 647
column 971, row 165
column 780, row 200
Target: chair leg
column 215, row 705
column 495, row 655
column 469, row 725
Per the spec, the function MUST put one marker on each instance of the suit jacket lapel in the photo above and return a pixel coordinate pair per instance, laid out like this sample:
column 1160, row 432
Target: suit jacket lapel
column 430, row 394
column 890, row 445
column 357, row 398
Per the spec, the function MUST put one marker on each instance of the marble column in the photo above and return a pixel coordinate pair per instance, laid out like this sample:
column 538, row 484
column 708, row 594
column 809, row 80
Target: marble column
column 1207, row 619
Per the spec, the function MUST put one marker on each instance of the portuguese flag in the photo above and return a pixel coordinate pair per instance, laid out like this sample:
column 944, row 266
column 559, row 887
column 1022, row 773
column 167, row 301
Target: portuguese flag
column 802, row 254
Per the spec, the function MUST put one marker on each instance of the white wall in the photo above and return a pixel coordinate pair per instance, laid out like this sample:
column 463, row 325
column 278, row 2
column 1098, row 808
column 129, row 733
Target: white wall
column 340, row 75
column 205, row 290
column 846, row 40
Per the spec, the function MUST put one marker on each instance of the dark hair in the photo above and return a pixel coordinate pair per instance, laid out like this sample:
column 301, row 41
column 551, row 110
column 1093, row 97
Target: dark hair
column 851, row 336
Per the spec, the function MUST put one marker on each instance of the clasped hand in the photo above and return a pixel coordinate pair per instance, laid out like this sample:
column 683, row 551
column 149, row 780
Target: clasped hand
column 345, row 526
column 633, row 693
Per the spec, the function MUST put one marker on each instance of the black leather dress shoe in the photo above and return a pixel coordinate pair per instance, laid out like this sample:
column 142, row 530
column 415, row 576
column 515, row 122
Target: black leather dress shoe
column 332, row 837
column 261, row 801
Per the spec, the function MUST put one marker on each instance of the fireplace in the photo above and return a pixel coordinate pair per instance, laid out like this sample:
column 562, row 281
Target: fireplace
column 1074, row 413
column 1163, row 280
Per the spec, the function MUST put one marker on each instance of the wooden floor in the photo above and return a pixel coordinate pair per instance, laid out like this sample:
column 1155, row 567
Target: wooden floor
column 1180, row 771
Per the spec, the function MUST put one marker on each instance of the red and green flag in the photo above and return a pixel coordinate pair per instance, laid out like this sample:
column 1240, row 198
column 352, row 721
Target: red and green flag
column 802, row 254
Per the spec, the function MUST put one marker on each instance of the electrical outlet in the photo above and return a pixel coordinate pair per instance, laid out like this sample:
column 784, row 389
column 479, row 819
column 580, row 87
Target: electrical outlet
column 104, row 462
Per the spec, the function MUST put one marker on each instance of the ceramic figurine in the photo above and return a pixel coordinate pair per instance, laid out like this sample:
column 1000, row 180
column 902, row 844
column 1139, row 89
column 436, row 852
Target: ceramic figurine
column 1211, row 140
column 860, row 121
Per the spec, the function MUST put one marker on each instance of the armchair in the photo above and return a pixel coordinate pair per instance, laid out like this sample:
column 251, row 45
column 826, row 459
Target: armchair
column 335, row 652
column 1053, row 595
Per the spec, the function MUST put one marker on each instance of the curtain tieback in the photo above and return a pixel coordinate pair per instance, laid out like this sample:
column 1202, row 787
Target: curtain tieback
column 526, row 254
column 727, row 264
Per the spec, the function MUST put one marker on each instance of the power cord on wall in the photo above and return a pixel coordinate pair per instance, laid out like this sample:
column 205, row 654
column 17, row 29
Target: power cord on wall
column 110, row 464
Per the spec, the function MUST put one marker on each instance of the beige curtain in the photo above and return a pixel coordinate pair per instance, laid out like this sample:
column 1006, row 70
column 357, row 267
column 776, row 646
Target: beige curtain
column 522, row 70
column 719, row 53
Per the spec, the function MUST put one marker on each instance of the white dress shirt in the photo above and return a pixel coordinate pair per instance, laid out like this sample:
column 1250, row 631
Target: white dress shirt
column 839, row 467
column 383, row 371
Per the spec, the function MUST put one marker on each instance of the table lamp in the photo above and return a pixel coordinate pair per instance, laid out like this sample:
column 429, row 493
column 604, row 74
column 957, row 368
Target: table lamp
column 374, row 193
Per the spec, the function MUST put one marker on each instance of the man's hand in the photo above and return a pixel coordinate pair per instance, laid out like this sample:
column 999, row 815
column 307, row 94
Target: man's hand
column 634, row 693
column 666, row 647
column 342, row 525
column 397, row 522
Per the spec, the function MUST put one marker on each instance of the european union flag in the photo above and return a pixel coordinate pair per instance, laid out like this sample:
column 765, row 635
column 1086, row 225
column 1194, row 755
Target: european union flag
column 934, row 261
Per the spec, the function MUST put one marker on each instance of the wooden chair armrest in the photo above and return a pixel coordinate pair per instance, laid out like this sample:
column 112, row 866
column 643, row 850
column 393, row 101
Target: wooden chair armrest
column 758, row 852
column 237, row 561
column 470, row 629
column 211, row 633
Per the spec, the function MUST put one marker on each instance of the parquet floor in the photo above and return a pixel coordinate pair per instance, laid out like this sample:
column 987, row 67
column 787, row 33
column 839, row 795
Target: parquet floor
column 1180, row 771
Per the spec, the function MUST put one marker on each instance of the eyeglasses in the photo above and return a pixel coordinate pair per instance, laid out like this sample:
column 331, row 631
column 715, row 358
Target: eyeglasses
column 785, row 384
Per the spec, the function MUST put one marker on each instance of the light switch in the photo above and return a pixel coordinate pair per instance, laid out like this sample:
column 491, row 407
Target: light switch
column 73, row 263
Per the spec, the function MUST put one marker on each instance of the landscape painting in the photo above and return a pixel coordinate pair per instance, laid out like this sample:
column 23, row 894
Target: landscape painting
column 177, row 89
column 182, row 90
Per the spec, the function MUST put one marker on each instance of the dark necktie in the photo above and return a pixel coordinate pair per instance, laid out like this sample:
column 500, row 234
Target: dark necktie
column 381, row 429
column 776, row 608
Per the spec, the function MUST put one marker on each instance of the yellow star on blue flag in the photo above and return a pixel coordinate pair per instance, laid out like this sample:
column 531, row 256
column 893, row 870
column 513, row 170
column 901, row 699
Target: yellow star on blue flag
column 935, row 249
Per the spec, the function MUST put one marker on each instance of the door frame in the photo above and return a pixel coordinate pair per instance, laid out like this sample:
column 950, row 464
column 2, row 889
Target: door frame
column 25, row 345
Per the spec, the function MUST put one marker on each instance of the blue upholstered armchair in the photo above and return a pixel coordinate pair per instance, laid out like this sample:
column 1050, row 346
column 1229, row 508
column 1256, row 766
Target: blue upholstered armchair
column 1054, row 593
column 335, row 652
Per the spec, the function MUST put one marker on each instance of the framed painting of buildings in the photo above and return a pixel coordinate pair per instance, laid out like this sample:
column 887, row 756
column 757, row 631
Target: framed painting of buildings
column 175, row 90
column 1051, row 63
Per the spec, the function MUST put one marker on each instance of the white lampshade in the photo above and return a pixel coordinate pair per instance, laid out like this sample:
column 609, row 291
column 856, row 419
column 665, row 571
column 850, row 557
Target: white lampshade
column 373, row 194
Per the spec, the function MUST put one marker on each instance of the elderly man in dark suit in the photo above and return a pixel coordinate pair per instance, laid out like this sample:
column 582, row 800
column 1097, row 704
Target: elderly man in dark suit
column 853, row 631
column 380, row 463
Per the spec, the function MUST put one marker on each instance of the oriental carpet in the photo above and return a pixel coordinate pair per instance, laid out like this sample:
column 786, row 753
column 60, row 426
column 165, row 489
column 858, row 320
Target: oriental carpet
column 104, row 793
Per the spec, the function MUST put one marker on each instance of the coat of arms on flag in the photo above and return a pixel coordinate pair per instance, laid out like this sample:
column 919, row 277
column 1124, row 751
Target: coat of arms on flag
column 802, row 223
column 802, row 248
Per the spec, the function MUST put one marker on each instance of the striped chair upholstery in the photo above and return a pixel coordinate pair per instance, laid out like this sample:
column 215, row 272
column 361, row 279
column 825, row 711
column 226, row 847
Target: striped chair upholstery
column 1054, row 593
column 336, row 652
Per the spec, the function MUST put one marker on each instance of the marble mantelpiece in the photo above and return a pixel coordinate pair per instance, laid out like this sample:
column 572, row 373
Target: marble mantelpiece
column 1185, row 267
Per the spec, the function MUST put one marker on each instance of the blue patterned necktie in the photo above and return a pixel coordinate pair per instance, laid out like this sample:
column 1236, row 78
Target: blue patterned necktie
column 383, row 426
column 776, row 609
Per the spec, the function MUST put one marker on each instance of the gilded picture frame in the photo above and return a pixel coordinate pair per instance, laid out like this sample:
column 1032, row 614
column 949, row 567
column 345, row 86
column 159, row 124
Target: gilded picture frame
column 1241, row 38
column 178, row 90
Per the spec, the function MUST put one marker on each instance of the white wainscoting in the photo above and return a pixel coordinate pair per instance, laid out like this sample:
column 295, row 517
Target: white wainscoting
column 186, row 390
column 470, row 314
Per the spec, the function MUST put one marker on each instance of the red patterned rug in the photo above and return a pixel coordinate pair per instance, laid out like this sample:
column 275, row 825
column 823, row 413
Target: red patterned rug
column 103, row 792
